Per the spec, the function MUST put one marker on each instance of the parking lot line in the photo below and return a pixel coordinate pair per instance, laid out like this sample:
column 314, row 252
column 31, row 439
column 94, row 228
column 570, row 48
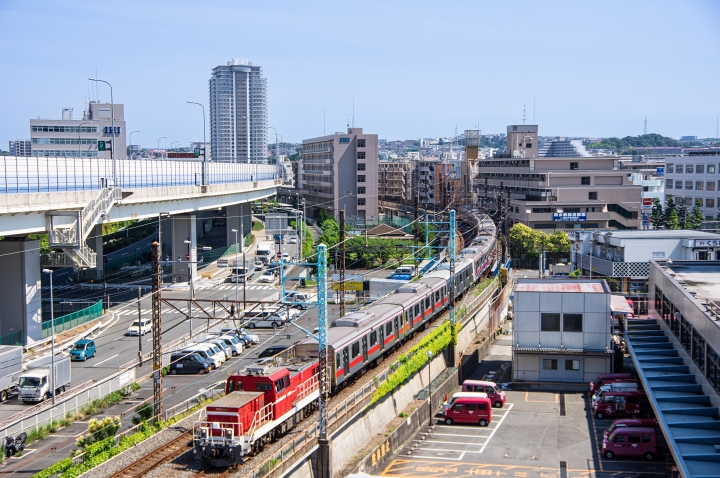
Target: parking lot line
column 457, row 435
column 497, row 426
column 527, row 399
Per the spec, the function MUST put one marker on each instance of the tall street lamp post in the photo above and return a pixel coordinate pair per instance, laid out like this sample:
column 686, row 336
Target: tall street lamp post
column 79, row 128
column 52, row 328
column 237, row 245
column 112, row 123
column 190, row 280
column 131, row 133
column 204, row 163
column 161, row 137
column 429, row 356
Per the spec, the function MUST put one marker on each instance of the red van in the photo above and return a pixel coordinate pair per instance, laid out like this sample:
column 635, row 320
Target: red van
column 617, row 403
column 469, row 410
column 603, row 377
column 631, row 441
column 630, row 422
column 496, row 396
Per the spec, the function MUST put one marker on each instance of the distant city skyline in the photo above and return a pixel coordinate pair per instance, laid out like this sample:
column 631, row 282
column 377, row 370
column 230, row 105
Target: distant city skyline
column 400, row 70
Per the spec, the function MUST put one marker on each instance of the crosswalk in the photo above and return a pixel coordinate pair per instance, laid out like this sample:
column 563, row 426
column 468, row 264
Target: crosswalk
column 59, row 287
column 232, row 287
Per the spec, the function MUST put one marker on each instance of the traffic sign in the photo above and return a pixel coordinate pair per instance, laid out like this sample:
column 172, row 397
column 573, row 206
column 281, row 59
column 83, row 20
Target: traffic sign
column 101, row 145
column 279, row 254
column 349, row 286
column 196, row 151
column 187, row 256
column 647, row 201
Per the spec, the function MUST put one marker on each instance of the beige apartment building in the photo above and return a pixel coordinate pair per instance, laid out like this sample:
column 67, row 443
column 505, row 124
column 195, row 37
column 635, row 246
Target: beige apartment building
column 395, row 181
column 562, row 193
column 340, row 171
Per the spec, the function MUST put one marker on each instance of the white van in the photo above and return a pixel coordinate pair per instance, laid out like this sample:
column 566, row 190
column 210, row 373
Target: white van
column 235, row 345
column 629, row 386
column 215, row 351
column 405, row 270
column 224, row 348
column 457, row 395
column 205, row 352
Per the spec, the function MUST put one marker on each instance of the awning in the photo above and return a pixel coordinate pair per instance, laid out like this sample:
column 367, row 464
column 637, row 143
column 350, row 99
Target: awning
column 619, row 305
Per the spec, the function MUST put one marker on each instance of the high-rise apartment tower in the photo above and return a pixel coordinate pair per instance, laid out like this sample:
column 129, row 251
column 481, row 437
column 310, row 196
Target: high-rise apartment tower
column 238, row 112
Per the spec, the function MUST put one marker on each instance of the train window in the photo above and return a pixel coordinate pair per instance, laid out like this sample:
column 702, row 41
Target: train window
column 417, row 310
column 279, row 385
column 437, row 296
column 338, row 362
column 263, row 386
column 399, row 318
column 427, row 303
column 388, row 329
column 287, row 381
column 231, row 386
column 373, row 337
column 355, row 349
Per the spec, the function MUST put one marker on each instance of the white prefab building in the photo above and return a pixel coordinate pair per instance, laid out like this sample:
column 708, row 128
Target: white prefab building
column 562, row 330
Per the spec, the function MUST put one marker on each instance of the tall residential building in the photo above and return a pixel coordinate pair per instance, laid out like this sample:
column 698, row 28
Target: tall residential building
column 563, row 148
column 238, row 112
column 695, row 180
column 68, row 137
column 20, row 147
column 340, row 171
column 522, row 141
column 395, row 179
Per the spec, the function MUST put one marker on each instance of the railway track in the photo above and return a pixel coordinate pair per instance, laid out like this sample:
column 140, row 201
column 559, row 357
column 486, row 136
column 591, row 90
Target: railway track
column 157, row 457
column 215, row 472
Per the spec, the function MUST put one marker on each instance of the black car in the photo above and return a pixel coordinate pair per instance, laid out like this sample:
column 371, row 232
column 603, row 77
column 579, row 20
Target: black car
column 274, row 350
column 188, row 363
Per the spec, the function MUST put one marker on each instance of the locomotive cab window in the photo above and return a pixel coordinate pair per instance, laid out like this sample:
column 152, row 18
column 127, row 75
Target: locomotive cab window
column 279, row 385
column 263, row 386
column 355, row 349
column 286, row 379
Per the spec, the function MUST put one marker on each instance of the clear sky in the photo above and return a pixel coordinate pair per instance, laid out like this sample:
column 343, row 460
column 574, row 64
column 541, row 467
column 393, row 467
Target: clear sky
column 415, row 68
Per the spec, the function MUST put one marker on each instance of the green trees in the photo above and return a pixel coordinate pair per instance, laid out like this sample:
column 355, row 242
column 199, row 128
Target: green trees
column 695, row 219
column 670, row 215
column 656, row 215
column 628, row 143
column 526, row 243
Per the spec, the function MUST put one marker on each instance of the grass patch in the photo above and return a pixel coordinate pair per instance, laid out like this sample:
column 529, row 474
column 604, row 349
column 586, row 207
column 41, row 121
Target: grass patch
column 249, row 240
column 257, row 226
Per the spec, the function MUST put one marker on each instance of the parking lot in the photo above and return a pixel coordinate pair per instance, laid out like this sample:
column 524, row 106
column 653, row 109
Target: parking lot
column 536, row 434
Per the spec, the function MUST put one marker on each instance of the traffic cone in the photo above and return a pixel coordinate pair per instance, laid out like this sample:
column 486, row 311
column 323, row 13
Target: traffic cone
column 446, row 396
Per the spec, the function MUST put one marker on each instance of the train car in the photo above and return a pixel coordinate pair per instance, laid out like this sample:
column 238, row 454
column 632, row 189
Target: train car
column 261, row 403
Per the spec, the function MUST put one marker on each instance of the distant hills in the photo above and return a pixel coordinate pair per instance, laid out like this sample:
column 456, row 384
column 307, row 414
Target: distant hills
column 627, row 144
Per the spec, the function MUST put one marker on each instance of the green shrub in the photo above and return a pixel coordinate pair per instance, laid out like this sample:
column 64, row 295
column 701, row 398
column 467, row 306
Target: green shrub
column 249, row 240
column 99, row 430
column 145, row 411
column 257, row 226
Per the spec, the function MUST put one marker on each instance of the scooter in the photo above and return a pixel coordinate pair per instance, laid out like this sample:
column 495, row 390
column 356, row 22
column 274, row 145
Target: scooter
column 15, row 445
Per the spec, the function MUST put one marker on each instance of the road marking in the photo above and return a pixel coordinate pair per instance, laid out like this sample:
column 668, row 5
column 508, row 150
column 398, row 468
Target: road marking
column 95, row 365
column 527, row 399
column 497, row 427
column 454, row 435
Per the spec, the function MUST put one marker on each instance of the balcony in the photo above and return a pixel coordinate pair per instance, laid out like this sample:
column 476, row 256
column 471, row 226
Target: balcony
column 611, row 268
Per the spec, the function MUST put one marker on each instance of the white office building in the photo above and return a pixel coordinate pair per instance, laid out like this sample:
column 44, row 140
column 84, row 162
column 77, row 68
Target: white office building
column 20, row 147
column 694, row 180
column 238, row 112
column 68, row 137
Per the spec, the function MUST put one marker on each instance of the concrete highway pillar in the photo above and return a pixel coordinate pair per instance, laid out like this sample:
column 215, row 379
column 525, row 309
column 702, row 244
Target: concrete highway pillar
column 95, row 242
column 233, row 215
column 184, row 227
column 20, row 295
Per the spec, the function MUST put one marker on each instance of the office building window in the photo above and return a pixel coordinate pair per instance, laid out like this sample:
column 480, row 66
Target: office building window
column 572, row 322
column 669, row 168
column 549, row 322
column 678, row 184
column 361, row 143
column 549, row 364
column 668, row 183
column 709, row 202
column 699, row 185
column 361, row 178
column 711, row 169
column 361, row 166
column 679, row 169
column 688, row 184
column 528, row 145
column 361, row 201
column 700, row 169
column 592, row 195
column 689, row 168
column 585, row 180
column 361, row 190
column 545, row 226
column 361, row 155
column 573, row 166
column 572, row 365
column 710, row 186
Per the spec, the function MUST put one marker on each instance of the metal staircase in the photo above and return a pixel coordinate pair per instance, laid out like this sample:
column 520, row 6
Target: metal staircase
column 70, row 237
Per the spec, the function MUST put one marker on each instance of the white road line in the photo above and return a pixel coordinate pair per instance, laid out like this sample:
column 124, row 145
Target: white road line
column 455, row 435
column 450, row 442
column 95, row 365
column 414, row 455
column 496, row 427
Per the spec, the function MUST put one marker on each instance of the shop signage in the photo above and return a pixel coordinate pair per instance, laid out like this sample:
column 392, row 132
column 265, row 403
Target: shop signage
column 569, row 216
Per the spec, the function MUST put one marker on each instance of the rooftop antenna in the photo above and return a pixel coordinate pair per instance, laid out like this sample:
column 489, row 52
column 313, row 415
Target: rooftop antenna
column 533, row 110
column 524, row 114
column 353, row 118
column 645, row 129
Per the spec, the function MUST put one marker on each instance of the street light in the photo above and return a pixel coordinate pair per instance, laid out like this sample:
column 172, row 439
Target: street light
column 190, row 280
column 161, row 137
column 204, row 163
column 131, row 133
column 237, row 244
column 160, row 216
column 52, row 327
column 429, row 356
column 173, row 143
column 112, row 122
column 277, row 150
column 79, row 128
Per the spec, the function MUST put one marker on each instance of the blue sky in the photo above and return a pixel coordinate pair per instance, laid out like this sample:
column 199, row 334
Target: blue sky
column 415, row 68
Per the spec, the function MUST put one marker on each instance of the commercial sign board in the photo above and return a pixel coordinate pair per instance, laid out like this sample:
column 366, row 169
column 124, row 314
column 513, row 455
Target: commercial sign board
column 349, row 286
column 647, row 201
column 707, row 243
column 181, row 155
column 569, row 216
column 660, row 172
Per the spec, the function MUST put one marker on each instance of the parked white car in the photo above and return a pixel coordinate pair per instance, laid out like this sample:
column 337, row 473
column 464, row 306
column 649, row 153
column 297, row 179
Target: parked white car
column 234, row 343
column 217, row 353
column 140, row 327
column 224, row 348
column 205, row 352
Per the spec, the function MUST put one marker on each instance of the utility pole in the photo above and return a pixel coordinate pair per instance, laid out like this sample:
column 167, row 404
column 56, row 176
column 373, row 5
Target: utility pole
column 156, row 331
column 140, row 328
column 324, row 457
column 451, row 303
column 341, row 264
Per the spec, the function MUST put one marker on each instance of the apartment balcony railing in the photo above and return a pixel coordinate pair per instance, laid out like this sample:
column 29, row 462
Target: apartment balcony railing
column 611, row 268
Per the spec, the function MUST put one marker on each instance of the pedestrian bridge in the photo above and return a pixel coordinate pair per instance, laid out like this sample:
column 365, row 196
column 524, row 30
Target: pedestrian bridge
column 67, row 197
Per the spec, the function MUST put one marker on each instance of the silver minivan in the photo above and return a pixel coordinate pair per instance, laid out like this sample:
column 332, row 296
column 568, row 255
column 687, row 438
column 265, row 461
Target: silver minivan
column 235, row 345
column 205, row 352
column 219, row 353
column 225, row 348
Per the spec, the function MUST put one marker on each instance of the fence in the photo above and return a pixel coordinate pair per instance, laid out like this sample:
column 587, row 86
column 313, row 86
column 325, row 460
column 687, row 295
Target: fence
column 15, row 338
column 46, row 174
column 69, row 321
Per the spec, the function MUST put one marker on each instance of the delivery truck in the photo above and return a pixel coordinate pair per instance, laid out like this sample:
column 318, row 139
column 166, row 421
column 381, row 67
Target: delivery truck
column 10, row 369
column 34, row 385
column 265, row 251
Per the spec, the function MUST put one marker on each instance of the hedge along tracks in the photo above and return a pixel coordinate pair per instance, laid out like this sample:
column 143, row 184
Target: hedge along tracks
column 157, row 457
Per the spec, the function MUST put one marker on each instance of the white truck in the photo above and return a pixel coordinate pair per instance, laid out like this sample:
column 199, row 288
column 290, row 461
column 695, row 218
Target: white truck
column 34, row 385
column 10, row 369
column 265, row 251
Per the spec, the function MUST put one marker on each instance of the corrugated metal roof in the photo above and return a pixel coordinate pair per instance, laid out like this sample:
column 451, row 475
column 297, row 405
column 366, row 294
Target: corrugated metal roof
column 559, row 286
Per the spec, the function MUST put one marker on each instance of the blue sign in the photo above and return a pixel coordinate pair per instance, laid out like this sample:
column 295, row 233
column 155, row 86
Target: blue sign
column 345, row 139
column 569, row 216
column 660, row 172
column 108, row 129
